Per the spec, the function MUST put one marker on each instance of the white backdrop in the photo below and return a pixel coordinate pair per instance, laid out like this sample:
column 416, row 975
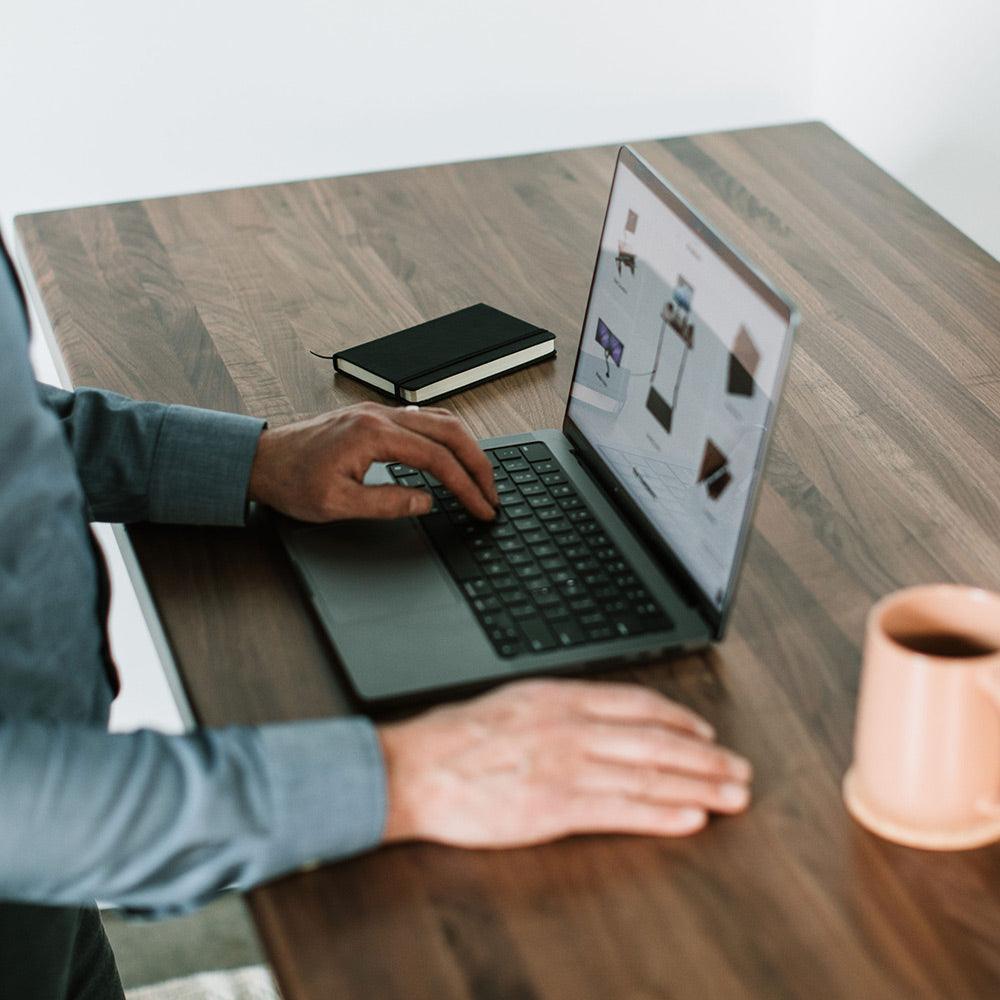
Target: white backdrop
column 117, row 99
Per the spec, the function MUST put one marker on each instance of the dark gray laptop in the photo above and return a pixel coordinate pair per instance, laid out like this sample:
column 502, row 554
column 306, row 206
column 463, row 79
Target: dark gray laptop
column 620, row 537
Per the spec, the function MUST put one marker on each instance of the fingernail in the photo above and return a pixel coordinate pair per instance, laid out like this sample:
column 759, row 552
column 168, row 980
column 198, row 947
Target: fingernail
column 704, row 729
column 420, row 503
column 740, row 768
column 734, row 795
column 691, row 817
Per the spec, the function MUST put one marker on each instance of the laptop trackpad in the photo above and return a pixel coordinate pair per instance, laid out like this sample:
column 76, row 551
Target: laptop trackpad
column 364, row 570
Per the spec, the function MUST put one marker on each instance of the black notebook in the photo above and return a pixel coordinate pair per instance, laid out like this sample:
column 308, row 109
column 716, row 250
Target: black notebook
column 447, row 354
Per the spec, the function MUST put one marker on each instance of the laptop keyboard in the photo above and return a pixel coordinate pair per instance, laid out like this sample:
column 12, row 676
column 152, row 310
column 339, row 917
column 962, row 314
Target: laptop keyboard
column 543, row 575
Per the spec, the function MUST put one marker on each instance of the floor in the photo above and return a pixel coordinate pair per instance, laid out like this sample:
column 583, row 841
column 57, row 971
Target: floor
column 219, row 936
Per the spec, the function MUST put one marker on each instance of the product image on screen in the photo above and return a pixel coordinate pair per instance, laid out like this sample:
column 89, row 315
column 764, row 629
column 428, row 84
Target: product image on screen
column 743, row 361
column 626, row 256
column 713, row 472
column 677, row 310
column 613, row 347
column 680, row 417
column 675, row 318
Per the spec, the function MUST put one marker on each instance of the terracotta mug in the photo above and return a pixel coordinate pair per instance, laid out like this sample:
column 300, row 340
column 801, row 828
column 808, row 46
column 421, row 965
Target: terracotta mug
column 926, row 769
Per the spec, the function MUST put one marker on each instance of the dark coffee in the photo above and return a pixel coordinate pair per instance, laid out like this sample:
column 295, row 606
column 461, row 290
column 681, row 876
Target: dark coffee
column 946, row 644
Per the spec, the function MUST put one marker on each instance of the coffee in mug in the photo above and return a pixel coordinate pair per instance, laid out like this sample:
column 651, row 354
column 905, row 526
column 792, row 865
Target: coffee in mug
column 926, row 769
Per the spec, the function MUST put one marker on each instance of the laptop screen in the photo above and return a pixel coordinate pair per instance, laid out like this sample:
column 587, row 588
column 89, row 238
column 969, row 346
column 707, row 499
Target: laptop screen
column 680, row 364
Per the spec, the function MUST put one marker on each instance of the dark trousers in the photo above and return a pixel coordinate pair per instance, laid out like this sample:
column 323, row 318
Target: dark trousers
column 55, row 953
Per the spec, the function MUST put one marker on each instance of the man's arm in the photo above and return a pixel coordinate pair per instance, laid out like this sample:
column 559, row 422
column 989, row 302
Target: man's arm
column 161, row 823
column 156, row 462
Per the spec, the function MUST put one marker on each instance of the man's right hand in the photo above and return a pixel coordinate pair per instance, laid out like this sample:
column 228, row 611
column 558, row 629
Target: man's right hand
column 538, row 760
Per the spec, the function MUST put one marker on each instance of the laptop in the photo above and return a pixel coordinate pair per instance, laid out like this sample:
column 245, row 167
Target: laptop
column 620, row 536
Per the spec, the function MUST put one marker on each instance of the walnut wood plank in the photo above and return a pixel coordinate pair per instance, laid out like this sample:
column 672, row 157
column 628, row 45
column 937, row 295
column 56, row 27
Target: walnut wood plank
column 884, row 472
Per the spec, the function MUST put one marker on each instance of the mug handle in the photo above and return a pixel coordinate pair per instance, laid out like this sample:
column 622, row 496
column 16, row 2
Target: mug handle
column 989, row 681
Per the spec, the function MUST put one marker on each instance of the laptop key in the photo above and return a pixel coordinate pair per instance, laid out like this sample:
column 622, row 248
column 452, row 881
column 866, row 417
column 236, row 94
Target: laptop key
column 546, row 597
column 505, row 486
column 398, row 469
column 501, row 531
column 535, row 537
column 522, row 611
column 524, row 524
column 504, row 454
column 548, row 513
column 561, row 490
column 517, row 465
column 516, row 510
column 568, row 502
column 539, row 635
column 507, row 649
column 568, row 633
column 598, row 632
column 626, row 624
column 504, row 582
column 515, row 596
column 536, row 452
column 482, row 604
column 523, row 477
column 553, row 478
column 413, row 480
column 477, row 588
column 559, row 527
column 534, row 490
column 497, row 620
column 544, row 467
column 556, row 613
column 566, row 538
column 510, row 544
column 553, row 562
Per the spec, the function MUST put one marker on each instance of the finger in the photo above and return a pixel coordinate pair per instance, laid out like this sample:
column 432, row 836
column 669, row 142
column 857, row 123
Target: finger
column 449, row 431
column 607, row 700
column 623, row 814
column 385, row 502
column 400, row 444
column 665, row 787
column 657, row 746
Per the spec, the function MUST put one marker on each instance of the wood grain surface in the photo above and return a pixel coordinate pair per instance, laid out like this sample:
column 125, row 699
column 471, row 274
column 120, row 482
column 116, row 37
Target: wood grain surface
column 884, row 471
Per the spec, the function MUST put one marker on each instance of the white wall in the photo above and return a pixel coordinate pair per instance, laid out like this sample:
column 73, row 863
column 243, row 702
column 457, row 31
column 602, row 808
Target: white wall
column 118, row 99
column 115, row 99
column 916, row 86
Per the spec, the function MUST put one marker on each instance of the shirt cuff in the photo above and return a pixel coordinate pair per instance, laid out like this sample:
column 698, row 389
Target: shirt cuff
column 329, row 785
column 201, row 468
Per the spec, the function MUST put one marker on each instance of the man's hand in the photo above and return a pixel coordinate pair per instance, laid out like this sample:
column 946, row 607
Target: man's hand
column 313, row 469
column 538, row 760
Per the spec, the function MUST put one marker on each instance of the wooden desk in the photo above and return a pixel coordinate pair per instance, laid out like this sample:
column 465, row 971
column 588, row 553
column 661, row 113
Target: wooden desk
column 885, row 471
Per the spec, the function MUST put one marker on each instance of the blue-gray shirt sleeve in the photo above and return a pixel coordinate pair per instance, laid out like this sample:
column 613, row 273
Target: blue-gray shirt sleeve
column 159, row 824
column 156, row 462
